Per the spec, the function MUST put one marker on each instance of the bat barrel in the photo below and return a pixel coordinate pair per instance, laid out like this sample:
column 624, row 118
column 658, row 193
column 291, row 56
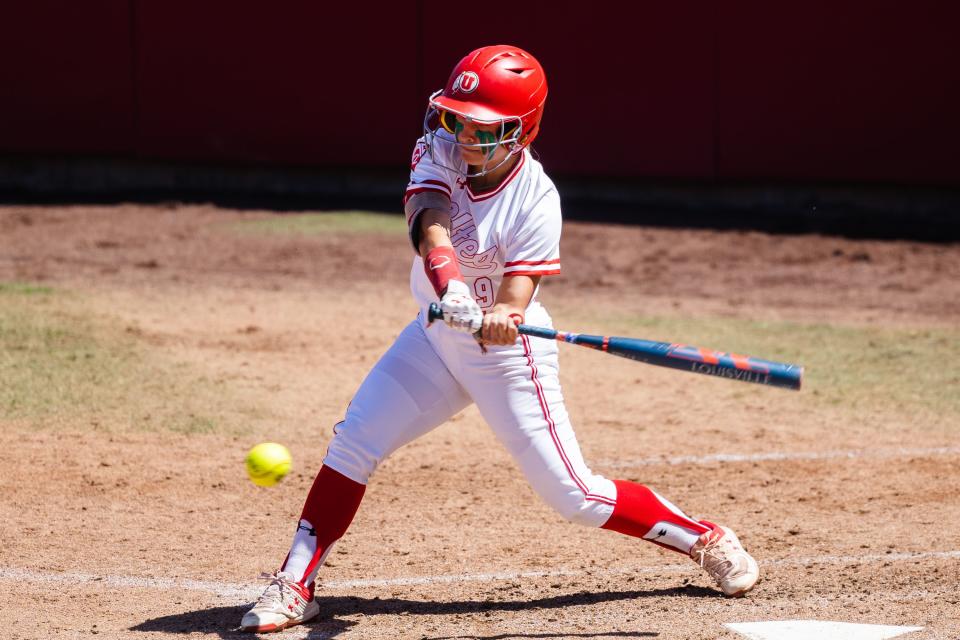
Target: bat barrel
column 707, row 362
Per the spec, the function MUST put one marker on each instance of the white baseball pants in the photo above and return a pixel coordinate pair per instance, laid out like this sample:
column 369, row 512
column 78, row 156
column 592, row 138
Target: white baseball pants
column 432, row 373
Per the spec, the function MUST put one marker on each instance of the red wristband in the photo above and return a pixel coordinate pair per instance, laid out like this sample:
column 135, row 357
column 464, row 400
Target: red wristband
column 516, row 317
column 441, row 266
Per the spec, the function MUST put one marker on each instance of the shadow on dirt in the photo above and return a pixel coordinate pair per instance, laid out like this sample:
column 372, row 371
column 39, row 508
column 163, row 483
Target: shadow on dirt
column 565, row 634
column 224, row 620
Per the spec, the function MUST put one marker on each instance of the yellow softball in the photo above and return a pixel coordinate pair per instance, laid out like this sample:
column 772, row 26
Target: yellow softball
column 267, row 463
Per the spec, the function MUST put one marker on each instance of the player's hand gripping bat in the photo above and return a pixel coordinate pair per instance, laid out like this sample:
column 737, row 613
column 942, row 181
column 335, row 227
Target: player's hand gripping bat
column 675, row 356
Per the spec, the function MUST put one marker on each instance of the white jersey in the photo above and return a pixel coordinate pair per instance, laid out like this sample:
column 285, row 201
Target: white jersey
column 511, row 230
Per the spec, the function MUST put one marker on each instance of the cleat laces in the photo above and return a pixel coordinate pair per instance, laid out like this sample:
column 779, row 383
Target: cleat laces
column 273, row 595
column 713, row 560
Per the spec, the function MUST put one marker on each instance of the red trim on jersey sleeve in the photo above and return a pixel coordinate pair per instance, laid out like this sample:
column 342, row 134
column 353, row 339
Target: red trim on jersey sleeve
column 547, row 272
column 532, row 267
column 439, row 183
column 515, row 263
column 426, row 185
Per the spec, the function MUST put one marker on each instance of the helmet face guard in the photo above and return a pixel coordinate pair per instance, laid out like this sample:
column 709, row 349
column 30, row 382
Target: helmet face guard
column 440, row 122
column 500, row 84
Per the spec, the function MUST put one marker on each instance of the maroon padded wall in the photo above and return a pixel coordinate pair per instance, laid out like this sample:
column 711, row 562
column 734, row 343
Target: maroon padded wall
column 66, row 83
column 827, row 90
column 743, row 90
column 630, row 91
column 293, row 82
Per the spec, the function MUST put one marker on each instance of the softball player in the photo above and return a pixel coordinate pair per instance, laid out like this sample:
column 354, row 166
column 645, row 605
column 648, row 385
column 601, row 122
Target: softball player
column 484, row 220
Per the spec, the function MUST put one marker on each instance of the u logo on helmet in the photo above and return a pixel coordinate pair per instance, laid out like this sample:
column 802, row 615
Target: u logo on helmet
column 466, row 82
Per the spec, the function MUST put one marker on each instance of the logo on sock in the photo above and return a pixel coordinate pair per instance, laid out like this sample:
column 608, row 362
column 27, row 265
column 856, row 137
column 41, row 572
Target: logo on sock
column 309, row 530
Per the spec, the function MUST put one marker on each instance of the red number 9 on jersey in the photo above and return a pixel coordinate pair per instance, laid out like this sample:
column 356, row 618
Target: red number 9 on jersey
column 483, row 292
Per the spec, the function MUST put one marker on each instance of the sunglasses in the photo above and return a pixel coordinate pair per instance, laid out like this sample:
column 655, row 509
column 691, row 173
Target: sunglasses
column 448, row 121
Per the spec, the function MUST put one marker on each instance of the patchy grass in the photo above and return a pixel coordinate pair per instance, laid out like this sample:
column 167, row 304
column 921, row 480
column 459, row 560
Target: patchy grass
column 24, row 288
column 58, row 367
column 332, row 222
column 911, row 371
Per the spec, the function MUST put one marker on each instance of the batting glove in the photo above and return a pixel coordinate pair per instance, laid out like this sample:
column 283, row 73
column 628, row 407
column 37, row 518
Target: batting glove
column 460, row 310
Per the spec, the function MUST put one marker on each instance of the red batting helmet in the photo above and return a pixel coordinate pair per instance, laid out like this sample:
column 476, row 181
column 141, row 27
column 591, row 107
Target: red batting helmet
column 497, row 84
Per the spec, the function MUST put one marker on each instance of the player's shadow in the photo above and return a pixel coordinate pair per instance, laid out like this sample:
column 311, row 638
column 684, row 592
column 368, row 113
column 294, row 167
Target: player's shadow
column 566, row 634
column 224, row 620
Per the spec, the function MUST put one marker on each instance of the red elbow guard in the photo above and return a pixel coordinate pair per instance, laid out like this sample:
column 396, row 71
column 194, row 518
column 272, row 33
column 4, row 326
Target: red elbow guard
column 441, row 266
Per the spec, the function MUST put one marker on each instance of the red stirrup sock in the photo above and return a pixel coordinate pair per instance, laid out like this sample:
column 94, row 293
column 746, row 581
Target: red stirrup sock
column 642, row 513
column 330, row 507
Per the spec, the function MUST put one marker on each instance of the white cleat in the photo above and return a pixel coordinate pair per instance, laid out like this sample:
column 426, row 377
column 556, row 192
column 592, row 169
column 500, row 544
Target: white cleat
column 724, row 559
column 283, row 604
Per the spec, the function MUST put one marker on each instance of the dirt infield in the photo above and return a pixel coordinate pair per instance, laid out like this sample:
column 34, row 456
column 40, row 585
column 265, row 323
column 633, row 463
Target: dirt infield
column 126, row 512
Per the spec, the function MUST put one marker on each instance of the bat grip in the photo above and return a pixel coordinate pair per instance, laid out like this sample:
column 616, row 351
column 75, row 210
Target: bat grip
column 436, row 313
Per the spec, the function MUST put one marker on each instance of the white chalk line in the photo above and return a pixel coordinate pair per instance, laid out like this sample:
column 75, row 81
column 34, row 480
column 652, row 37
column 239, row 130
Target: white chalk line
column 780, row 455
column 249, row 592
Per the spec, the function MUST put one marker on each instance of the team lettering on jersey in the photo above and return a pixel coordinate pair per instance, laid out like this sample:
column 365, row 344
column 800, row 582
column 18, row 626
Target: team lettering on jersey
column 418, row 153
column 463, row 234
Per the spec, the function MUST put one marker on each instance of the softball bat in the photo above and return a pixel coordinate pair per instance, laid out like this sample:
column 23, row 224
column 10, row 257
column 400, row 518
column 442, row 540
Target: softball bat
column 675, row 356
